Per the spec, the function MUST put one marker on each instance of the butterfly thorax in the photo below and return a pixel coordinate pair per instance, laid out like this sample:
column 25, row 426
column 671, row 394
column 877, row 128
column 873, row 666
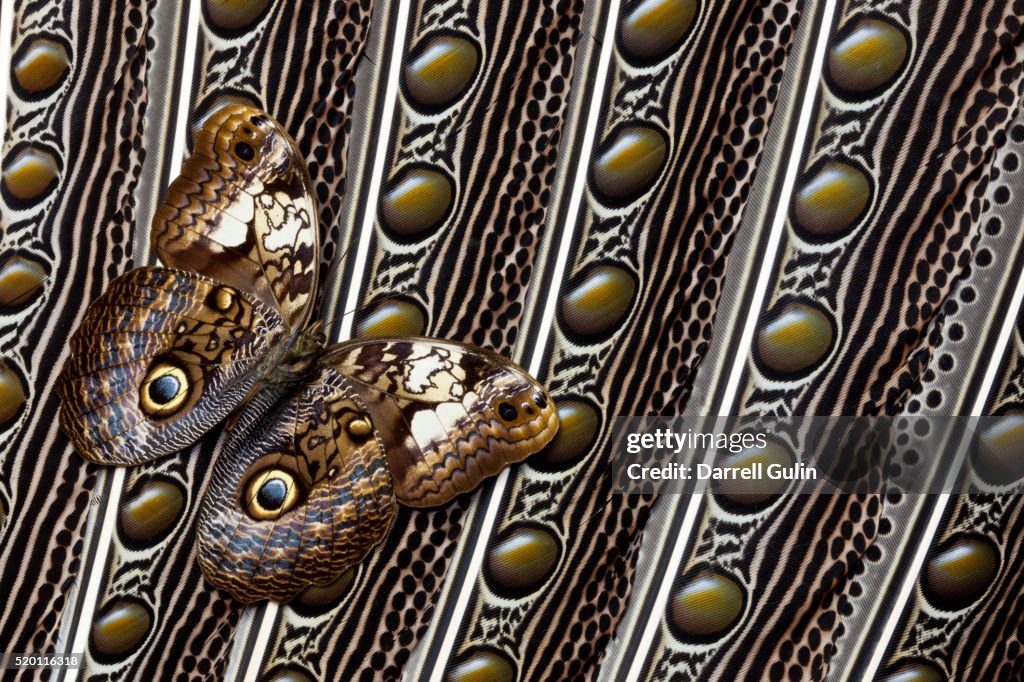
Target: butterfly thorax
column 295, row 360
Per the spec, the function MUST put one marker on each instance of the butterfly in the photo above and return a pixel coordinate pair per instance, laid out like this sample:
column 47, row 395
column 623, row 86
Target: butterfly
column 323, row 441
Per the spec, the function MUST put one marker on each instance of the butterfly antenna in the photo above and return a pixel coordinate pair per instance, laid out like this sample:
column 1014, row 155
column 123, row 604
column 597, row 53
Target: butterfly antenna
column 334, row 267
column 326, row 323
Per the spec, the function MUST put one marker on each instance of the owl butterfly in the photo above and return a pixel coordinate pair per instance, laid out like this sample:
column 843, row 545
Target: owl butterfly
column 322, row 442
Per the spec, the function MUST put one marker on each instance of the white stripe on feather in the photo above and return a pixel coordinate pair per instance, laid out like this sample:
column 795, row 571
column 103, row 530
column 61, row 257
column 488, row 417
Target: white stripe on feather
column 86, row 608
column 463, row 593
column 754, row 310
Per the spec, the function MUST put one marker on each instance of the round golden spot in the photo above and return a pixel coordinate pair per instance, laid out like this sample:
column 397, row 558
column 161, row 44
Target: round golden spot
column 392, row 317
column 13, row 393
column 915, row 671
column 31, row 173
column 705, row 605
column 440, row 70
column 599, row 301
column 21, row 280
column 521, row 559
column 151, row 511
column 360, row 427
column 998, row 455
column 164, row 389
column 40, row 65
column 317, row 597
column 270, row 494
column 831, row 200
column 290, row 675
column 482, row 665
column 755, row 491
column 416, row 201
column 656, row 28
column 234, row 15
column 223, row 299
column 629, row 162
column 869, row 54
column 120, row 627
column 578, row 422
column 960, row 571
column 793, row 339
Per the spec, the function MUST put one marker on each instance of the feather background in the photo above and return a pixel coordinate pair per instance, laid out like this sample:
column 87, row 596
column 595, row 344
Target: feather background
column 625, row 197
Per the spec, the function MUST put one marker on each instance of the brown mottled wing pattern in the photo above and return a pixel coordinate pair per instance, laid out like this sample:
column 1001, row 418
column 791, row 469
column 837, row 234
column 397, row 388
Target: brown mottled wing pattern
column 450, row 415
column 160, row 358
column 242, row 212
column 301, row 492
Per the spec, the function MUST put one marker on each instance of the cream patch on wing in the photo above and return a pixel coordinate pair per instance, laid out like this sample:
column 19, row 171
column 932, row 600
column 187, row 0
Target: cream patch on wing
column 283, row 234
column 419, row 379
column 230, row 232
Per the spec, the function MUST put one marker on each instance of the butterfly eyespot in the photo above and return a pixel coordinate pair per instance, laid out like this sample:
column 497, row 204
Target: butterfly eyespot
column 244, row 151
column 270, row 494
column 360, row 427
column 508, row 412
column 164, row 389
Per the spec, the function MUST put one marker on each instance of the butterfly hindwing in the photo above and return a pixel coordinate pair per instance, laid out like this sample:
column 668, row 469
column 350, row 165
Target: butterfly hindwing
column 159, row 359
column 243, row 212
column 450, row 414
column 301, row 491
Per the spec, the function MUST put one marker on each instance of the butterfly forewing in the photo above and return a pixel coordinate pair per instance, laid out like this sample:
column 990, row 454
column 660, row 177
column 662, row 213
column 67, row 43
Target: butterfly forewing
column 301, row 491
column 450, row 415
column 160, row 358
column 242, row 212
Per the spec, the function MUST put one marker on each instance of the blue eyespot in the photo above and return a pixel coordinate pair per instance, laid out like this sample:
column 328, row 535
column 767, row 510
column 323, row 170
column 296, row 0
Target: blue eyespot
column 164, row 389
column 272, row 494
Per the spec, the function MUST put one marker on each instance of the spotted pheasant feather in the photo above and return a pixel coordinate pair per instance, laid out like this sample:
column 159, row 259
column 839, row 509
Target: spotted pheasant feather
column 769, row 208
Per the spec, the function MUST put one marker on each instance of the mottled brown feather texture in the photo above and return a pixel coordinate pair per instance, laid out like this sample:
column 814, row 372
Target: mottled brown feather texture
column 307, row 482
column 76, row 226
